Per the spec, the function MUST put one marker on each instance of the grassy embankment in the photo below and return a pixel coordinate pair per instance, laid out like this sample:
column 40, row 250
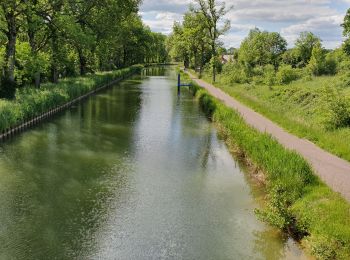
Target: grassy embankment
column 301, row 107
column 298, row 202
column 30, row 101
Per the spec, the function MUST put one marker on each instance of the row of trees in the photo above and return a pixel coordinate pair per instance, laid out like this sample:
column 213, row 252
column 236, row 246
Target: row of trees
column 267, row 52
column 48, row 39
column 261, row 54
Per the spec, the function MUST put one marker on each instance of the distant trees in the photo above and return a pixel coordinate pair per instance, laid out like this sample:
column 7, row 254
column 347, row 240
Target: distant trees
column 262, row 58
column 49, row 39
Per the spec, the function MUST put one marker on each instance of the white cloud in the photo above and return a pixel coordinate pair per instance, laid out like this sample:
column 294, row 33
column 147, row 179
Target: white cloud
column 279, row 11
column 289, row 17
column 327, row 27
column 161, row 21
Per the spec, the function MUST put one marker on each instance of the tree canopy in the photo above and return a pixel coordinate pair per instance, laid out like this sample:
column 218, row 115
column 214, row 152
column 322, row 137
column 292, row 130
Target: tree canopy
column 44, row 40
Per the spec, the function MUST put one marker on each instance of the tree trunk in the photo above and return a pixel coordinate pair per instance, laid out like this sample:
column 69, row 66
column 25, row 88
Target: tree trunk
column 201, row 62
column 186, row 62
column 54, row 64
column 82, row 61
column 124, row 56
column 214, row 61
column 34, row 51
column 195, row 53
column 10, row 55
column 37, row 79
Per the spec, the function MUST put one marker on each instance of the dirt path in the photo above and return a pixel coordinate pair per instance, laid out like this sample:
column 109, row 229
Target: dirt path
column 334, row 171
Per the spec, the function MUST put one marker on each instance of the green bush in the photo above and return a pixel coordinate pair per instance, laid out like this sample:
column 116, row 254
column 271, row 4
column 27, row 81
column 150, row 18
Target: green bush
column 336, row 108
column 236, row 73
column 269, row 75
column 286, row 74
column 330, row 65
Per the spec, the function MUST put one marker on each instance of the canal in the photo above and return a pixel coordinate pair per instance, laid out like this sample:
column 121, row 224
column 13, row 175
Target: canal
column 135, row 172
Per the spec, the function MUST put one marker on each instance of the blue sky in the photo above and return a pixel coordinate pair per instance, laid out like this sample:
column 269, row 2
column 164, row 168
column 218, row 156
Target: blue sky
column 289, row 17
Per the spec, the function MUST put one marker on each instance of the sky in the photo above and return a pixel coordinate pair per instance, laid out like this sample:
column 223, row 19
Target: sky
column 288, row 17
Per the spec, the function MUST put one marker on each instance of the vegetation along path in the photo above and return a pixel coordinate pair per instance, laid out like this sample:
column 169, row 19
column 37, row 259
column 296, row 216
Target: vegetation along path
column 334, row 171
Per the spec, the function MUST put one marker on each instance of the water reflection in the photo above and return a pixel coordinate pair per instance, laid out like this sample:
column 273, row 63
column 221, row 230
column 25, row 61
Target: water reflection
column 55, row 180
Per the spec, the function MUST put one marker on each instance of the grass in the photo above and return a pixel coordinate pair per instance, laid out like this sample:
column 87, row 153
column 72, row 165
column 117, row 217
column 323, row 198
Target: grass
column 30, row 102
column 298, row 202
column 298, row 107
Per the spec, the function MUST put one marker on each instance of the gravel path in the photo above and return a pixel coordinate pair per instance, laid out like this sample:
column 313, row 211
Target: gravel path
column 334, row 171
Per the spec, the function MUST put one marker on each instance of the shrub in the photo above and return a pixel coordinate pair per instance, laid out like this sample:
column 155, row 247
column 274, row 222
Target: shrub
column 337, row 108
column 287, row 74
column 236, row 73
column 330, row 65
column 269, row 75
column 317, row 61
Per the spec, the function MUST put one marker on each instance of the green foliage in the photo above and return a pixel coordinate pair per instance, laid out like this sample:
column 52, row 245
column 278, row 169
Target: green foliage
column 304, row 46
column 262, row 48
column 322, row 63
column 291, row 57
column 2, row 56
column 286, row 74
column 50, row 40
column 330, row 65
column 235, row 73
column 326, row 220
column 346, row 32
column 336, row 108
column 28, row 63
column 269, row 75
column 277, row 213
column 317, row 60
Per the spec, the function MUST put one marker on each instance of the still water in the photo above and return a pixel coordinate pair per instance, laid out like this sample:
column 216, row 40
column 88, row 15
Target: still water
column 134, row 172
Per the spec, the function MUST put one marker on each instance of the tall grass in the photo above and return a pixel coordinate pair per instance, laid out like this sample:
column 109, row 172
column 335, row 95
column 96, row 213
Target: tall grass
column 30, row 102
column 298, row 202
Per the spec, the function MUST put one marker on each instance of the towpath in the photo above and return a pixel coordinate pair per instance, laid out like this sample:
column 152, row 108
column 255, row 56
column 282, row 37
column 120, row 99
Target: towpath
column 334, row 171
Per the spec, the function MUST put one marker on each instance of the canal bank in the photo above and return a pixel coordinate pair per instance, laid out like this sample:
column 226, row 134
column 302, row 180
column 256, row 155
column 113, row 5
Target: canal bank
column 298, row 202
column 133, row 172
column 31, row 106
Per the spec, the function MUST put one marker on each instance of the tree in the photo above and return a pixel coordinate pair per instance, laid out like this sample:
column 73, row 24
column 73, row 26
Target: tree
column 317, row 60
column 197, row 38
column 304, row 45
column 10, row 11
column 291, row 57
column 178, row 46
column 262, row 48
column 346, row 32
column 213, row 13
column 44, row 40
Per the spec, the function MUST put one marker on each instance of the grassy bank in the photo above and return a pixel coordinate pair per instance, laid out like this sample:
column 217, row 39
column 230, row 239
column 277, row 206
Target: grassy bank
column 30, row 102
column 298, row 202
column 303, row 107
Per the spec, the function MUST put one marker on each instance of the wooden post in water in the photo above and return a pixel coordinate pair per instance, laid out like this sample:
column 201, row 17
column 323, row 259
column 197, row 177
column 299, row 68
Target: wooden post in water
column 179, row 84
